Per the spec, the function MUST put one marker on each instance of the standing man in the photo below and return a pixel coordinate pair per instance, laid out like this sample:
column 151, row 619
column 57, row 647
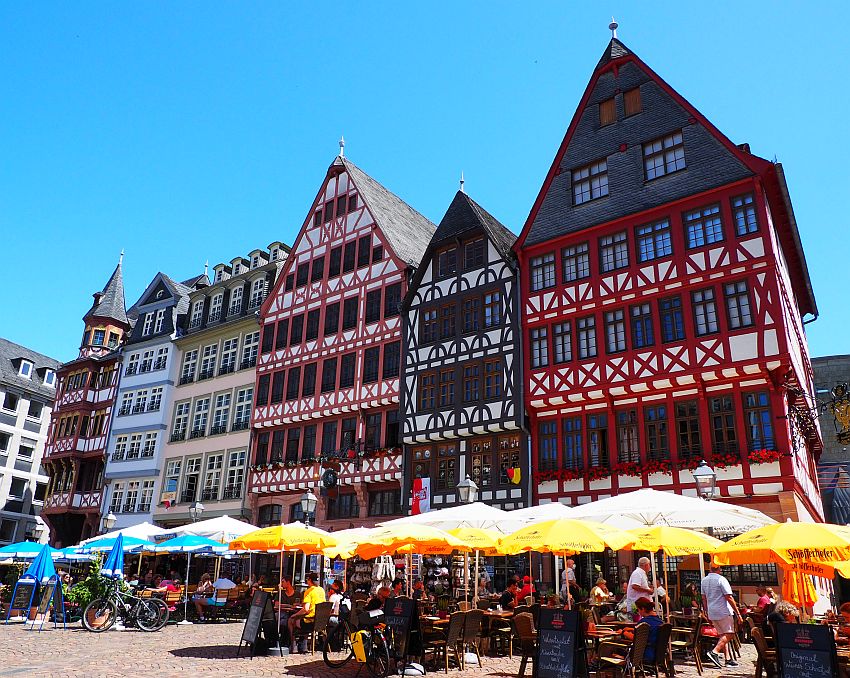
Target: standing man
column 638, row 586
column 722, row 610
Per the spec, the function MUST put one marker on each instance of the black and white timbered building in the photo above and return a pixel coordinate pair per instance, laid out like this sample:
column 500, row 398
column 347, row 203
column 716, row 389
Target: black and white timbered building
column 461, row 399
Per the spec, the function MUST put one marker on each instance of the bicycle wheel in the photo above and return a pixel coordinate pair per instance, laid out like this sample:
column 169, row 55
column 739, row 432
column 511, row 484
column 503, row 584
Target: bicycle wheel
column 99, row 615
column 162, row 609
column 378, row 661
column 148, row 616
column 338, row 651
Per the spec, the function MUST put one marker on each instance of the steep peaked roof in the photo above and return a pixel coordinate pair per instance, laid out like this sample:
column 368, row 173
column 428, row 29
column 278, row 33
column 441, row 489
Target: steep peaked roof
column 109, row 304
column 614, row 50
column 10, row 356
column 408, row 231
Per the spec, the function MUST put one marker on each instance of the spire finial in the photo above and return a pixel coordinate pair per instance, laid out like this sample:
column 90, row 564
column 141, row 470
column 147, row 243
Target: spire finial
column 613, row 27
column 121, row 257
column 341, row 146
column 206, row 266
column 461, row 182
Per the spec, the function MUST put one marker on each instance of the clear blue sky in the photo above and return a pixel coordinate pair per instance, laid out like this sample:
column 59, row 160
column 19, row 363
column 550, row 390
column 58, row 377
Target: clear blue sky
column 189, row 131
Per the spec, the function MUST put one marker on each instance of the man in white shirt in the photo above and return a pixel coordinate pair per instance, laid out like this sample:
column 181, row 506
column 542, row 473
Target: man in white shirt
column 720, row 606
column 639, row 584
column 568, row 576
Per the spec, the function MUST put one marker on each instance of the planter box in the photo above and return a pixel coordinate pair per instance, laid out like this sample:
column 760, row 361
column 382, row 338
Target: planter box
column 576, row 485
column 765, row 470
column 548, row 487
column 659, row 479
column 630, row 481
column 603, row 484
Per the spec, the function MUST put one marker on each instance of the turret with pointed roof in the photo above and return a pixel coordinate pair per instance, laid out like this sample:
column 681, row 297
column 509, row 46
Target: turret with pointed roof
column 109, row 303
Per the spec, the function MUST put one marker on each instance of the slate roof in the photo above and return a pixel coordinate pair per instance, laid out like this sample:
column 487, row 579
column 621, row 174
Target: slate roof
column 614, row 50
column 199, row 280
column 110, row 303
column 181, row 292
column 10, row 356
column 407, row 231
column 464, row 214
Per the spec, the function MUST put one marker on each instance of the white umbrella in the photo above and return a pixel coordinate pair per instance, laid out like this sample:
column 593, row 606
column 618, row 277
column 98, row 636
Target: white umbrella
column 542, row 512
column 222, row 528
column 477, row 514
column 146, row 531
column 224, row 584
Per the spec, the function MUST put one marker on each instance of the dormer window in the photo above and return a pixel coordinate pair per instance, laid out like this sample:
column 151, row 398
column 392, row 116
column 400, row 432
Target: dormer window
column 237, row 269
column 50, row 378
column 590, row 182
column 98, row 337
column 664, row 156
column 255, row 261
column 25, row 370
column 148, row 326
column 160, row 318
column 218, row 275
column 274, row 254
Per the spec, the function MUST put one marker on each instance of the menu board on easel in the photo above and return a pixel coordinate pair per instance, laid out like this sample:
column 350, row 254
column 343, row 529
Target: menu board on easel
column 560, row 647
column 23, row 596
column 806, row 651
column 260, row 608
column 401, row 615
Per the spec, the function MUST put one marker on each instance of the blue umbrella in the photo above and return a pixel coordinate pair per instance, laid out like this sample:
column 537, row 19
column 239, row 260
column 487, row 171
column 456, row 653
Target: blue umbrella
column 24, row 549
column 41, row 569
column 130, row 544
column 114, row 565
column 190, row 543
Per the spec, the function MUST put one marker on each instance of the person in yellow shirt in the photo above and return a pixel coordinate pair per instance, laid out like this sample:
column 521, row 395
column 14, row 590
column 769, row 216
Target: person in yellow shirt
column 314, row 595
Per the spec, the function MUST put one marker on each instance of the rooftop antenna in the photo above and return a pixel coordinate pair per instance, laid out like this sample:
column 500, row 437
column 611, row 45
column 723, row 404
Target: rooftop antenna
column 613, row 28
column 121, row 257
column 461, row 182
column 341, row 146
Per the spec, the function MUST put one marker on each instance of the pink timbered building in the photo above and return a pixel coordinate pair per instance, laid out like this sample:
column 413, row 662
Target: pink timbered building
column 326, row 408
column 664, row 293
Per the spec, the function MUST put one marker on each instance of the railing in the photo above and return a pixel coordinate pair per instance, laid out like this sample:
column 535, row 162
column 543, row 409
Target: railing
column 133, row 453
column 197, row 433
column 154, row 406
column 129, row 508
column 148, row 451
column 123, row 411
column 232, row 492
column 206, row 374
column 187, row 497
column 214, row 316
column 216, row 430
column 209, row 495
column 240, row 425
column 117, row 456
column 226, row 369
column 187, row 378
column 144, row 508
column 255, row 301
column 234, row 309
column 131, row 369
column 178, row 435
column 160, row 364
column 146, row 366
column 248, row 363
column 194, row 324
column 138, row 408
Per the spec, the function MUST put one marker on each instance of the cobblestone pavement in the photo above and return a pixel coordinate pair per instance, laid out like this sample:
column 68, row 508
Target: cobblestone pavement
column 204, row 650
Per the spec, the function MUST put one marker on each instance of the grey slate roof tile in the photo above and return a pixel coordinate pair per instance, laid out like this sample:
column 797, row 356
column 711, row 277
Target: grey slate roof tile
column 10, row 356
column 111, row 302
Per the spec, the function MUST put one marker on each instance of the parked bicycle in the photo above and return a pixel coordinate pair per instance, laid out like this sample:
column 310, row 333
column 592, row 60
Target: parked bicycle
column 369, row 643
column 148, row 614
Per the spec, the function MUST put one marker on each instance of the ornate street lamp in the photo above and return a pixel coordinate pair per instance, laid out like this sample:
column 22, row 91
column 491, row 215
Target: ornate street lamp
column 308, row 505
column 109, row 521
column 467, row 490
column 196, row 510
column 706, row 480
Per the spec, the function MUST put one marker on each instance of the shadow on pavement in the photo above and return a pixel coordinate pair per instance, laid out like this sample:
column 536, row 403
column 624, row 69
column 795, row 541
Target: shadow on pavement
column 211, row 652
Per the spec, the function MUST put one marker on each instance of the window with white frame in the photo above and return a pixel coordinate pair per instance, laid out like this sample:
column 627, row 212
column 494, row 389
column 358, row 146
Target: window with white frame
column 126, row 403
column 562, row 342
column 653, row 241
column 197, row 314
column 120, row 448
column 615, row 331
column 590, row 182
column 221, row 413
column 208, row 362
column 539, row 347
column 249, row 350
column 744, row 214
column 148, row 324
column 664, row 156
column 242, row 413
column 215, row 307
column 258, row 292
column 235, row 301
column 149, row 444
column 228, row 355
column 705, row 311
column 199, row 420
column 586, row 337
column 274, row 254
column 543, row 271
column 738, row 304
column 212, row 477
column 132, row 496
column 49, row 378
column 614, row 251
column 181, row 421
column 132, row 364
column 576, row 262
column 161, row 358
column 141, row 401
column 146, row 497
column 146, row 364
column 171, row 478
column 192, row 480
column 160, row 321
column 703, row 226
column 134, row 449
column 190, row 362
column 117, row 498
column 235, row 474
column 25, row 370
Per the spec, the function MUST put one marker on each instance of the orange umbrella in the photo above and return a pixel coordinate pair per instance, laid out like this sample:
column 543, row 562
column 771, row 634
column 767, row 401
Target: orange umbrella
column 799, row 589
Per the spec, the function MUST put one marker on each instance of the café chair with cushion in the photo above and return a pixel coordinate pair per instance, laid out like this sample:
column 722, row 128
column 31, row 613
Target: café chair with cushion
column 472, row 632
column 766, row 658
column 500, row 635
column 662, row 653
column 320, row 623
column 449, row 644
column 527, row 636
column 217, row 607
column 686, row 639
column 613, row 663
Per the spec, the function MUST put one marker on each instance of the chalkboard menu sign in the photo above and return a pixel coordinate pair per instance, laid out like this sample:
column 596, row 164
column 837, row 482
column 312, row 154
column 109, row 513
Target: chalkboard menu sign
column 24, row 594
column 261, row 607
column 402, row 616
column 806, row 651
column 560, row 644
column 47, row 591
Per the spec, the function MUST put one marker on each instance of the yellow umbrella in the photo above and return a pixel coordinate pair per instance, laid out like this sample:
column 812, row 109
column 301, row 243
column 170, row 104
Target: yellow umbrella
column 787, row 544
column 799, row 590
column 566, row 536
column 478, row 539
column 825, row 570
column 674, row 541
column 293, row 537
column 391, row 539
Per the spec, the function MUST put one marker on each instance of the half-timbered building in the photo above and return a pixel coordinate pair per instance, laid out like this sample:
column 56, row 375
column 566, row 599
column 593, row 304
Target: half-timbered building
column 327, row 391
column 461, row 397
column 79, row 427
column 664, row 293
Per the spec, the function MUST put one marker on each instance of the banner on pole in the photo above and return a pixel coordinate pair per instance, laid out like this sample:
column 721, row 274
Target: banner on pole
column 421, row 502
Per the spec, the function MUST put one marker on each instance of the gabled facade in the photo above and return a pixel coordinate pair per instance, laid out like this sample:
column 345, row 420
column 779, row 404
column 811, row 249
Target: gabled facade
column 461, row 399
column 664, row 291
column 139, row 427
column 27, row 392
column 79, row 427
column 205, row 456
column 329, row 366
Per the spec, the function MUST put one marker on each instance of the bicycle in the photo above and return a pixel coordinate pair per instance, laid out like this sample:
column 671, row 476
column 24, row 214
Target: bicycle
column 148, row 614
column 374, row 637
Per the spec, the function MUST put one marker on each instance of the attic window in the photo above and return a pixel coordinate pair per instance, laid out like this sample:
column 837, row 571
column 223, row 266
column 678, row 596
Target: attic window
column 274, row 254
column 255, row 261
column 352, row 202
column 590, row 182
column 664, row 156
column 159, row 294
column 473, row 254
column 49, row 378
column 25, row 370
column 218, row 275
column 631, row 102
column 607, row 112
column 317, row 218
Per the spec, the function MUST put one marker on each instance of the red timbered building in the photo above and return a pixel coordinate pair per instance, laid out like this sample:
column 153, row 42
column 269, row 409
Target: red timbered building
column 327, row 392
column 664, row 291
column 79, row 428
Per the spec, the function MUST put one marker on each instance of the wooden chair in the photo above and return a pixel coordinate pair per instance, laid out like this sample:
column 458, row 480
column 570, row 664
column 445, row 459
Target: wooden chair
column 686, row 639
column 450, row 642
column 472, row 633
column 483, row 605
column 174, row 601
column 632, row 661
column 501, row 634
column 320, row 623
column 766, row 658
column 662, row 652
column 527, row 635
column 146, row 593
column 218, row 606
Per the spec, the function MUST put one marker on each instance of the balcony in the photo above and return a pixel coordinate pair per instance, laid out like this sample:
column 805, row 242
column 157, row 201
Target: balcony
column 232, row 492
column 206, row 374
column 160, row 364
column 197, row 433
column 187, row 378
column 226, row 369
column 210, row 494
column 177, row 436
column 240, row 425
column 218, row 430
column 248, row 363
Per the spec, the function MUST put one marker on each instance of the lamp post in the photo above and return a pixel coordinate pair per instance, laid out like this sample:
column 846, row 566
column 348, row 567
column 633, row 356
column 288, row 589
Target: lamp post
column 706, row 480
column 467, row 490
column 308, row 505
column 196, row 510
column 109, row 521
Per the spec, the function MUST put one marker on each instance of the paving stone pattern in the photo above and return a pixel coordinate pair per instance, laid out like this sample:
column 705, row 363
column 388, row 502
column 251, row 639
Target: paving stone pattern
column 204, row 650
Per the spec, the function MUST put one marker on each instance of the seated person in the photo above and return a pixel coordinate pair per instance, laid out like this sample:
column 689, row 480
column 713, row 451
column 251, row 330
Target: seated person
column 599, row 593
column 784, row 612
column 312, row 596
column 647, row 614
column 419, row 589
column 661, row 592
column 377, row 601
column 508, row 598
column 397, row 587
column 164, row 585
column 204, row 595
column 526, row 590
column 341, row 602
column 287, row 598
column 553, row 601
column 148, row 580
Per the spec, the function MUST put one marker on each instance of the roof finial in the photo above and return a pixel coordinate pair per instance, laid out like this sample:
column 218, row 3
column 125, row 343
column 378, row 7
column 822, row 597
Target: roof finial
column 461, row 182
column 613, row 28
column 341, row 146
column 121, row 257
column 206, row 266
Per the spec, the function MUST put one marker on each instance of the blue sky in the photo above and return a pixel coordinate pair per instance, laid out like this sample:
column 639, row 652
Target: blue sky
column 193, row 131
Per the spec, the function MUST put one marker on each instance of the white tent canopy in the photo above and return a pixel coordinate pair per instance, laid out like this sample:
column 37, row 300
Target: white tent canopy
column 224, row 529
column 146, row 531
column 536, row 514
column 477, row 514
column 645, row 507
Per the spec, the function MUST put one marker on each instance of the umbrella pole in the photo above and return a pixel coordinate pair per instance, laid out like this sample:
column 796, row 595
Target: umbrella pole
column 186, row 591
column 139, row 571
column 654, row 579
column 475, row 585
column 278, row 596
column 666, row 587
column 466, row 576
column 569, row 595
